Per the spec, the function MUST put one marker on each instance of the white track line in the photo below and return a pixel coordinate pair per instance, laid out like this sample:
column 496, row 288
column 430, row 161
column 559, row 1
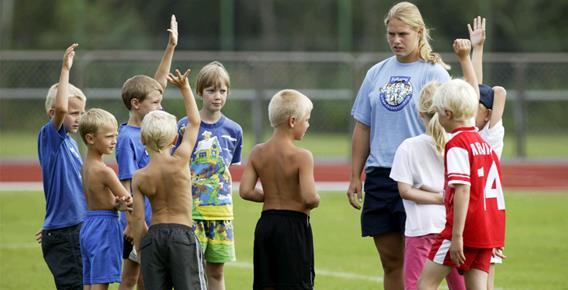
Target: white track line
column 320, row 272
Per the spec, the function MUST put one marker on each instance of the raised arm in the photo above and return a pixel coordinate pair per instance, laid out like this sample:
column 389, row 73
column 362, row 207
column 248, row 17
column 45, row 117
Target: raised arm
column 247, row 188
column 418, row 195
column 307, row 183
column 60, row 105
column 359, row 152
column 477, row 38
column 462, row 48
column 190, row 134
column 499, row 99
column 161, row 74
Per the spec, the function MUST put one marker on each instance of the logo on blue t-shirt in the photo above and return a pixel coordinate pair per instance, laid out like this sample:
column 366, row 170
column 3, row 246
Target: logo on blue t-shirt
column 396, row 93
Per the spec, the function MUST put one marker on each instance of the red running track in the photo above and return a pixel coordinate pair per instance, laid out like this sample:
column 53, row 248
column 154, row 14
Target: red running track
column 530, row 175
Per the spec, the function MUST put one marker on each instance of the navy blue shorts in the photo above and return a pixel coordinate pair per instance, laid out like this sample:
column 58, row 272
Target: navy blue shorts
column 383, row 211
column 62, row 253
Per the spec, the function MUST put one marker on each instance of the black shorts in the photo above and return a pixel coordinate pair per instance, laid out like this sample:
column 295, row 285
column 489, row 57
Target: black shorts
column 171, row 257
column 62, row 252
column 127, row 247
column 283, row 251
column 383, row 211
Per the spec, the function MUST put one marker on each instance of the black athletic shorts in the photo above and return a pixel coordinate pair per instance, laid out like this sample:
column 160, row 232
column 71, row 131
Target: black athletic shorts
column 171, row 257
column 283, row 251
column 62, row 252
column 383, row 211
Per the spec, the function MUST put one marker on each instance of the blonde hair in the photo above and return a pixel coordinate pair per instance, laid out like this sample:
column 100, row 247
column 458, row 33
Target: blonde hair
column 139, row 87
column 288, row 103
column 434, row 128
column 72, row 92
column 158, row 130
column 456, row 96
column 213, row 74
column 409, row 14
column 93, row 120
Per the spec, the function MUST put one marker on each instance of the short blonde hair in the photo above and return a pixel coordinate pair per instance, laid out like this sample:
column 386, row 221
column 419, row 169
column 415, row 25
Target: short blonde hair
column 72, row 92
column 158, row 130
column 409, row 14
column 456, row 96
column 287, row 103
column 139, row 87
column 425, row 108
column 93, row 120
column 213, row 74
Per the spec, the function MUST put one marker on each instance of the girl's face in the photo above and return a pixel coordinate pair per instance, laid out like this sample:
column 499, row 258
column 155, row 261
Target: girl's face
column 214, row 97
column 403, row 40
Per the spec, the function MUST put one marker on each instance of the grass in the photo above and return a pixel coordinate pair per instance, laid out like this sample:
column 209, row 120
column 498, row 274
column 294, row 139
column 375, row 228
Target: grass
column 536, row 244
column 323, row 146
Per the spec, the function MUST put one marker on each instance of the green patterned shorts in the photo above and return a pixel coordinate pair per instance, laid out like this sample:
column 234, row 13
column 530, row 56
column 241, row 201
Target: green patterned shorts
column 216, row 239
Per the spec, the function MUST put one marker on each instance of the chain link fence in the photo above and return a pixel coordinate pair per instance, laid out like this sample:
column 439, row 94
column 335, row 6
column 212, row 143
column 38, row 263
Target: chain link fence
column 534, row 115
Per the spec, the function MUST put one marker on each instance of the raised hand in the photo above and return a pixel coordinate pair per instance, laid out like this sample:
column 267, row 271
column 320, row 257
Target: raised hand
column 173, row 32
column 179, row 80
column 477, row 32
column 462, row 48
column 68, row 56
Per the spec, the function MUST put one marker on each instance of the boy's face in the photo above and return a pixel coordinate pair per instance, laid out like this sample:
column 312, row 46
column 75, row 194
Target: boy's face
column 214, row 98
column 301, row 127
column 152, row 102
column 104, row 140
column 76, row 109
column 482, row 117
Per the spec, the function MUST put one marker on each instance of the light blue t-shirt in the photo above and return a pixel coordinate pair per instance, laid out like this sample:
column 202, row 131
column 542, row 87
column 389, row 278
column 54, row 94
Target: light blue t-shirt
column 218, row 146
column 131, row 155
column 62, row 184
column 387, row 103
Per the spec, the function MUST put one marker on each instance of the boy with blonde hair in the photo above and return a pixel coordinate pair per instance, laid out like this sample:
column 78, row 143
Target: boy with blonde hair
column 101, row 235
column 61, row 170
column 141, row 94
column 283, row 242
column 169, row 250
column 218, row 146
column 472, row 190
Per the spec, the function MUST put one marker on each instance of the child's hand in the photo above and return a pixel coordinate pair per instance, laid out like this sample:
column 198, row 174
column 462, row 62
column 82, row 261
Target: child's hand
column 498, row 252
column 123, row 203
column 456, row 251
column 179, row 80
column 462, row 48
column 477, row 33
column 68, row 56
column 38, row 236
column 173, row 30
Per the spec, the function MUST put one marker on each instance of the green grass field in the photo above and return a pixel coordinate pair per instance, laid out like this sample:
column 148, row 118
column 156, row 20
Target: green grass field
column 24, row 145
column 536, row 244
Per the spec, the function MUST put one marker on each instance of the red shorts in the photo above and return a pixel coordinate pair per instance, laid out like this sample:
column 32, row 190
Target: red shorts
column 475, row 258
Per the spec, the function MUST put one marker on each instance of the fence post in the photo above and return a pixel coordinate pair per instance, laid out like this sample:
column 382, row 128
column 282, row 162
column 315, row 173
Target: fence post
column 519, row 110
column 256, row 111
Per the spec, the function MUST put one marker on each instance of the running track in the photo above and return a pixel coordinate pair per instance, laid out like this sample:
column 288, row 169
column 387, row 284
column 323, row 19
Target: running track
column 518, row 175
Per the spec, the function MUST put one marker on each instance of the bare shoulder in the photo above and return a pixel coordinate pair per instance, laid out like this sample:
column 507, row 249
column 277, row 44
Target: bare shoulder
column 256, row 150
column 303, row 154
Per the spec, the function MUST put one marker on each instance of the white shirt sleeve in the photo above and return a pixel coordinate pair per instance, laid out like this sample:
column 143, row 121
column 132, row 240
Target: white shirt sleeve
column 458, row 168
column 401, row 170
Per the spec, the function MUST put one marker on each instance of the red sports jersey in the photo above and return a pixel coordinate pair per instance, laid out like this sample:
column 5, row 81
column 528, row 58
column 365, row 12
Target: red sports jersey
column 469, row 160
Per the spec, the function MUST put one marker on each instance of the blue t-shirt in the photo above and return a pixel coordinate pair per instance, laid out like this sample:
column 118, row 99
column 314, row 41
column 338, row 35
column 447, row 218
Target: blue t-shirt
column 131, row 155
column 217, row 147
column 62, row 183
column 387, row 103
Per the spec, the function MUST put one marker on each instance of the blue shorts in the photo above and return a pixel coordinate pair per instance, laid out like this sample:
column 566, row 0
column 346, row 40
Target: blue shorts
column 383, row 211
column 101, row 247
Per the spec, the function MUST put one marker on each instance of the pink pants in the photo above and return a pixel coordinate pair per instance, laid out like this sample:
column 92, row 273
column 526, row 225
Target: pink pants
column 416, row 252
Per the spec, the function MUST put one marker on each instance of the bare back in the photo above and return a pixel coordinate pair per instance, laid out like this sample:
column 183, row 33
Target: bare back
column 286, row 174
column 167, row 184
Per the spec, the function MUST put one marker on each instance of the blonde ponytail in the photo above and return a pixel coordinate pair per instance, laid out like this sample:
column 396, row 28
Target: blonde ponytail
column 409, row 14
column 438, row 133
